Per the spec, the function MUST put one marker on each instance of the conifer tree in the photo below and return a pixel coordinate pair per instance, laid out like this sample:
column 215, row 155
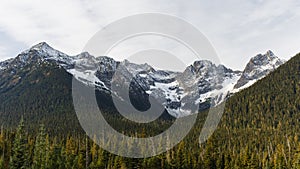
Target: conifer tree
column 18, row 159
column 40, row 150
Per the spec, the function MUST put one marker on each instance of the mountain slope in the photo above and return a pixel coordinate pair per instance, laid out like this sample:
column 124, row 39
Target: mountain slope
column 38, row 93
column 264, row 120
column 259, row 129
column 38, row 83
column 276, row 97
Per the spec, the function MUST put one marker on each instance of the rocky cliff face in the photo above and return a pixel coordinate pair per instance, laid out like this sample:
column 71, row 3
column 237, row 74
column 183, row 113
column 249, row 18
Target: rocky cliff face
column 258, row 67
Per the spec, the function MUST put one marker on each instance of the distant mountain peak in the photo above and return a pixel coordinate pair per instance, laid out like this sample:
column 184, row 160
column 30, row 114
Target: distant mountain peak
column 258, row 67
column 84, row 55
column 270, row 53
column 45, row 49
column 264, row 58
column 41, row 46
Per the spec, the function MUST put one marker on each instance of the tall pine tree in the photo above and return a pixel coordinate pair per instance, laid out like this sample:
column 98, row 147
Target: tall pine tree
column 18, row 159
column 40, row 150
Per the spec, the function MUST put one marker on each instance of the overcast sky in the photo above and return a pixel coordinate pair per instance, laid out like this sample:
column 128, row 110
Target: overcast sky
column 238, row 29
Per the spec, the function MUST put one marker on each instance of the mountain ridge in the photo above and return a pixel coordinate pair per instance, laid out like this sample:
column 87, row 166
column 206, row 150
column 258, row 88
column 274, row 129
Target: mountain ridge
column 202, row 82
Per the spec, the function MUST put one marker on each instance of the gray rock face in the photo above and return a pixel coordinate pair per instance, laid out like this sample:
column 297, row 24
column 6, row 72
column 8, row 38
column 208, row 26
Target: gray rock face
column 258, row 67
column 5, row 64
column 199, row 86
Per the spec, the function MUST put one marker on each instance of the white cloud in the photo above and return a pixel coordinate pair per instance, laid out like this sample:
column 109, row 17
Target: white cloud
column 237, row 29
column 62, row 23
column 3, row 52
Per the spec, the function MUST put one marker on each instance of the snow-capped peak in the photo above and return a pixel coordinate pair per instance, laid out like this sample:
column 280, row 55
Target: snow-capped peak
column 265, row 59
column 41, row 51
column 42, row 46
column 46, row 50
column 258, row 67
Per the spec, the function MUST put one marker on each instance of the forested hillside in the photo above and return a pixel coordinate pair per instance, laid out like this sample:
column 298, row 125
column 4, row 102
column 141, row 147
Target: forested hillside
column 42, row 95
column 259, row 129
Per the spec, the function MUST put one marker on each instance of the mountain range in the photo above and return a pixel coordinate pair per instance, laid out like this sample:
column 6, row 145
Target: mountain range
column 258, row 129
column 201, row 84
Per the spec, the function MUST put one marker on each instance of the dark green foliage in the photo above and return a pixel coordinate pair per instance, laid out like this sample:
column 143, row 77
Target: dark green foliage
column 19, row 157
column 42, row 93
column 259, row 129
column 41, row 150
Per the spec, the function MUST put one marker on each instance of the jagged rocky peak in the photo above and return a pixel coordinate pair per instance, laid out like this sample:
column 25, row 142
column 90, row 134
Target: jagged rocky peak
column 201, row 82
column 270, row 53
column 258, row 67
column 202, row 63
column 262, row 63
column 136, row 68
column 84, row 55
column 205, row 70
column 265, row 59
column 105, row 59
column 199, row 65
column 40, row 52
column 106, row 64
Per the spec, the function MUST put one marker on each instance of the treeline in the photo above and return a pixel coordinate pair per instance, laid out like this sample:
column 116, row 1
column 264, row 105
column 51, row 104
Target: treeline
column 21, row 150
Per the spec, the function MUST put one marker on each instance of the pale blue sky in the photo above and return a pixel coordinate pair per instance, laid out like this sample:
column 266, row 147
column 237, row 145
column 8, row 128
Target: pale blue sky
column 238, row 29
